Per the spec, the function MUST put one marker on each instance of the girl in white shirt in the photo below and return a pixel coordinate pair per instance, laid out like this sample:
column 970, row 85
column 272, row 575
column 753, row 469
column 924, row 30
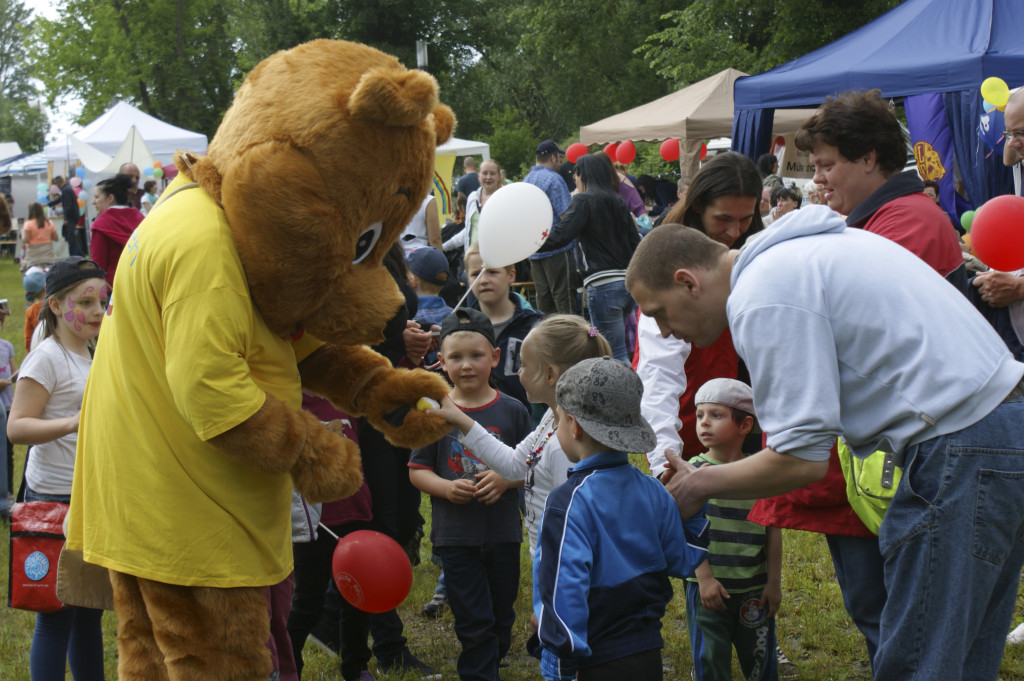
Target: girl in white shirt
column 44, row 414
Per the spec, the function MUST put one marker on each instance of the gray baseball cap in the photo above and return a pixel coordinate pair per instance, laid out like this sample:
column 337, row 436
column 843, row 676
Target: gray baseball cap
column 728, row 392
column 603, row 395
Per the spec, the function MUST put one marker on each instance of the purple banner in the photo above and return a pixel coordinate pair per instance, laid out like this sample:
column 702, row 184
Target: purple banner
column 933, row 144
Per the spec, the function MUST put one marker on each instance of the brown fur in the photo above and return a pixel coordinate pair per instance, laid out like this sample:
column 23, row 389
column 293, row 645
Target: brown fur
column 323, row 142
column 180, row 633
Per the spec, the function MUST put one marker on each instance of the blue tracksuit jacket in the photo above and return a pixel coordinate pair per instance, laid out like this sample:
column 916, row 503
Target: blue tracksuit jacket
column 609, row 539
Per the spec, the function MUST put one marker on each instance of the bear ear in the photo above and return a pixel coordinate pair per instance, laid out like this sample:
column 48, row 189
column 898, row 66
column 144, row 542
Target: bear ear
column 444, row 123
column 394, row 98
column 200, row 169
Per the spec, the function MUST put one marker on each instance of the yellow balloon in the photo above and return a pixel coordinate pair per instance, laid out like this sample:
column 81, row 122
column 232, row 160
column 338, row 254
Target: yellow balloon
column 995, row 91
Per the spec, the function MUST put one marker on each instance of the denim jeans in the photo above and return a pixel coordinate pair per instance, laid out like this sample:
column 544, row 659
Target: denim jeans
column 953, row 544
column 860, row 572
column 482, row 583
column 609, row 305
column 71, row 637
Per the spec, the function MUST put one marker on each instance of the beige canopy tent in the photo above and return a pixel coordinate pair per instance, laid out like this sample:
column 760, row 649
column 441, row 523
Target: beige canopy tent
column 696, row 112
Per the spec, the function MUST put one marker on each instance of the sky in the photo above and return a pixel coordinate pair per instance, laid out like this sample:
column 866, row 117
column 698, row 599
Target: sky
column 60, row 122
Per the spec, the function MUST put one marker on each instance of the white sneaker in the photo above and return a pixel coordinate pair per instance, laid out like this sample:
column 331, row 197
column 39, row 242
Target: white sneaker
column 1016, row 637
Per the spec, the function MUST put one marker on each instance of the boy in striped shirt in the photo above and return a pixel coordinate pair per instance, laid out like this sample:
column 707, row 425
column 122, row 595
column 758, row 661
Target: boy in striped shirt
column 733, row 599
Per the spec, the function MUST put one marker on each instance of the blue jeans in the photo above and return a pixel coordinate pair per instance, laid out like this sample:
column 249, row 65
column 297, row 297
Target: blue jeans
column 860, row 572
column 953, row 544
column 609, row 305
column 69, row 637
column 482, row 583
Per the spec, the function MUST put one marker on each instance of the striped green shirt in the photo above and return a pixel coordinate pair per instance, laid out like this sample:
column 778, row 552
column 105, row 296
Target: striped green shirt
column 736, row 552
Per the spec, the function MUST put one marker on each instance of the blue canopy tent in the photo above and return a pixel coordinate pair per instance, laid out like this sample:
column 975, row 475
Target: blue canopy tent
column 920, row 47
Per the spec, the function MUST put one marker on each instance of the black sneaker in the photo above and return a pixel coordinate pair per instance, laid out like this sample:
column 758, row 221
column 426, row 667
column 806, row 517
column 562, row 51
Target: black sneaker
column 407, row 662
column 436, row 606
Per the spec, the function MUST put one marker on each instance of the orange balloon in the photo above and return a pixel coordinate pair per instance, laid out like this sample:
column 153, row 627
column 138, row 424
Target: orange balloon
column 158, row 164
column 81, row 203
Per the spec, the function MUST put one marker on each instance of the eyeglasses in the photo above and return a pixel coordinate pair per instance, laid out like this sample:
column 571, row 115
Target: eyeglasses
column 1014, row 134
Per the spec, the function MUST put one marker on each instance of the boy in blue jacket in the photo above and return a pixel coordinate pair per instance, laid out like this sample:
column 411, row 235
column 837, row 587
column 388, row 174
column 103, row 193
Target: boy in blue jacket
column 610, row 537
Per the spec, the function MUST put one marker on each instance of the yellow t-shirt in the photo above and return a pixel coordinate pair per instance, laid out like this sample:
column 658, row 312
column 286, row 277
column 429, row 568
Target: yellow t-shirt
column 183, row 356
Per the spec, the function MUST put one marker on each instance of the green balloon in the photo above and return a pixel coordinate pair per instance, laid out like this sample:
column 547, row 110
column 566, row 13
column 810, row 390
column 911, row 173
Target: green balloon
column 158, row 173
column 966, row 220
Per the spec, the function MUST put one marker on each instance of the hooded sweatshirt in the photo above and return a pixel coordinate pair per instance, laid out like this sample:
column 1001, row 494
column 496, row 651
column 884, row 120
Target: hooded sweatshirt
column 110, row 232
column 835, row 351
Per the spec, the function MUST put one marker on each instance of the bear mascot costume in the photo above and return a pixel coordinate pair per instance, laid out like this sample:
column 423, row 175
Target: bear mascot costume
column 256, row 276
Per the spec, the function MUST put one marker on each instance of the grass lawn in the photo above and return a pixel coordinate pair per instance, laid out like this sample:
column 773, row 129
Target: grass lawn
column 812, row 625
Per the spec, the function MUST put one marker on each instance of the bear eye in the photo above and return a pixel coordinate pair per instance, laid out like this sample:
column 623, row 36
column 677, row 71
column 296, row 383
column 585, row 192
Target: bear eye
column 366, row 241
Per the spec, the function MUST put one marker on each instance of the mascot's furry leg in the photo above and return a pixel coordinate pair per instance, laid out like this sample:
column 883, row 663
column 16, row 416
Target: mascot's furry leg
column 190, row 633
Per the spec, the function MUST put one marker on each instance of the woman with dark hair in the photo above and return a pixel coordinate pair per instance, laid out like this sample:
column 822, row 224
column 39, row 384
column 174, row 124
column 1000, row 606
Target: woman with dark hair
column 115, row 221
column 768, row 166
column 606, row 234
column 722, row 200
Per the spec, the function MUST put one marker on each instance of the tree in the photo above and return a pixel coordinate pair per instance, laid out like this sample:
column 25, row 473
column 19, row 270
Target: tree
column 174, row 59
column 21, row 120
column 753, row 36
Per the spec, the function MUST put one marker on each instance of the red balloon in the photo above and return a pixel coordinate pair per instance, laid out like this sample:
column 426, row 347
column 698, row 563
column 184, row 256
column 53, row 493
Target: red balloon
column 611, row 149
column 575, row 150
column 625, row 153
column 670, row 150
column 703, row 151
column 997, row 233
column 372, row 571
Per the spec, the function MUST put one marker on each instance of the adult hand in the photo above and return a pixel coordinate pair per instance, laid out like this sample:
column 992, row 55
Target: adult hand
column 417, row 341
column 999, row 289
column 680, row 486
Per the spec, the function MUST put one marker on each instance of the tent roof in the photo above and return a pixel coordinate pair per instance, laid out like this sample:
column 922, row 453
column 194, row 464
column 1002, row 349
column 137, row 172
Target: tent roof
column 109, row 131
column 461, row 147
column 24, row 163
column 920, row 46
column 698, row 111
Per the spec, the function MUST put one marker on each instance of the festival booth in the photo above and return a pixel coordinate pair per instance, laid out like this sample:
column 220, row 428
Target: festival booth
column 444, row 165
column 113, row 132
column 935, row 54
column 697, row 112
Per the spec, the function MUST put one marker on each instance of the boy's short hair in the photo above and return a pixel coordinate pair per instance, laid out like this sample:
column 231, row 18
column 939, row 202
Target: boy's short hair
column 467, row 319
column 474, row 249
column 728, row 392
column 603, row 395
column 429, row 264
column 668, row 248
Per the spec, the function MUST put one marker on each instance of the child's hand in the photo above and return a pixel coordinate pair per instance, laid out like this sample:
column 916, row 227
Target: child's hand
column 712, row 594
column 490, row 486
column 453, row 415
column 460, row 491
column 771, row 598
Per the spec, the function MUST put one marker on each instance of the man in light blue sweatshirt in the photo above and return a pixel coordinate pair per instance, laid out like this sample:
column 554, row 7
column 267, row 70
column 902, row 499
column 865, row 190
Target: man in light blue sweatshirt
column 846, row 333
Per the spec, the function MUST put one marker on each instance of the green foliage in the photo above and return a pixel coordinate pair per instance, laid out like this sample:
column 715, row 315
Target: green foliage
column 750, row 35
column 21, row 119
column 171, row 58
column 513, row 142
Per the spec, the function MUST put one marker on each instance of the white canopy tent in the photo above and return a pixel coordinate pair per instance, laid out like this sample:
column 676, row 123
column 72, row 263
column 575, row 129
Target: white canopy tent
column 461, row 147
column 108, row 133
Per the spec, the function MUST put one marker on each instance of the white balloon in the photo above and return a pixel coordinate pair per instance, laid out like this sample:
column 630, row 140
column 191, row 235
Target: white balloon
column 514, row 223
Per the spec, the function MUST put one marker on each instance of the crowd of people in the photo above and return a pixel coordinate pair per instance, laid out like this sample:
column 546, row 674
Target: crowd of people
column 736, row 340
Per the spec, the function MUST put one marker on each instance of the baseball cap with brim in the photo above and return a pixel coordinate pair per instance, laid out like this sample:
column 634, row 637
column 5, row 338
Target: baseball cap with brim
column 429, row 264
column 467, row 319
column 603, row 395
column 33, row 282
column 69, row 271
column 548, row 147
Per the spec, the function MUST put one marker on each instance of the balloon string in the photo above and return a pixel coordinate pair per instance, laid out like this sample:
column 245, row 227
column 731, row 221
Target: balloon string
column 469, row 289
column 327, row 530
